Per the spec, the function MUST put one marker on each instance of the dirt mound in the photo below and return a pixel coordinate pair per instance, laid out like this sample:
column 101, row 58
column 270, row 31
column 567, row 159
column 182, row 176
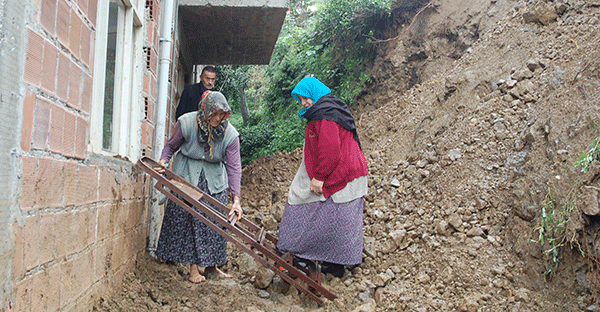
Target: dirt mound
column 482, row 109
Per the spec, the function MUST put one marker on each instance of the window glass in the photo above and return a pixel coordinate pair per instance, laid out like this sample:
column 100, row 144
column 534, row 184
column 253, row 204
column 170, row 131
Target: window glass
column 109, row 83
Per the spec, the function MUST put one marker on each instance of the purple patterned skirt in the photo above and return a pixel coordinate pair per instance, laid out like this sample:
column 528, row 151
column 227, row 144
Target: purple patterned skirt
column 185, row 239
column 323, row 231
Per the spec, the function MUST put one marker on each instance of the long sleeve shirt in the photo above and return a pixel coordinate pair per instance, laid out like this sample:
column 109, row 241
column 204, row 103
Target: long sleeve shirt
column 233, row 161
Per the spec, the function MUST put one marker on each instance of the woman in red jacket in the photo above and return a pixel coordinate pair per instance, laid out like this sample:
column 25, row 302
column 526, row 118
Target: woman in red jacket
column 323, row 217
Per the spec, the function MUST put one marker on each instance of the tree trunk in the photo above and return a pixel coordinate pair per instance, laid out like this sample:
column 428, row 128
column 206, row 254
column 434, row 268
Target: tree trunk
column 243, row 106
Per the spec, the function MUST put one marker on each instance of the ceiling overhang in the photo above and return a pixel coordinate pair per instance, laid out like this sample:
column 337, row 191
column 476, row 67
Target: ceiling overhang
column 229, row 32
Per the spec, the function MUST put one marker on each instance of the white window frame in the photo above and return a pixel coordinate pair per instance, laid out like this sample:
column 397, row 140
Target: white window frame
column 128, row 102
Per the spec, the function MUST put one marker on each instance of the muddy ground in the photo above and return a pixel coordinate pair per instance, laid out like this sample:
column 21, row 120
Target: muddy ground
column 472, row 123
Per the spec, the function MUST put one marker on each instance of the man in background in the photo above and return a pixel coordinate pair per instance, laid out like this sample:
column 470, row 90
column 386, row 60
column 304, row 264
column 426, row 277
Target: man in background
column 192, row 94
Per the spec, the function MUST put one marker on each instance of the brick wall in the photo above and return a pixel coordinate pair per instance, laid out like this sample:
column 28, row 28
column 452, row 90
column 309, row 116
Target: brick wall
column 85, row 217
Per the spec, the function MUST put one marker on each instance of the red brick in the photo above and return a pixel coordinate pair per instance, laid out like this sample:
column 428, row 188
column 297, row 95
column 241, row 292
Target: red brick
column 33, row 61
column 70, row 183
column 86, row 219
column 92, row 9
column 57, row 124
column 74, row 86
column 28, row 109
column 19, row 246
column 48, row 238
column 108, row 187
column 105, row 223
column 83, row 6
column 69, row 133
column 81, row 137
column 82, row 273
column 41, row 124
column 102, row 256
column 63, row 18
column 65, row 229
column 62, row 79
column 87, row 184
column 49, row 64
column 45, row 296
column 67, row 286
column 44, row 183
column 86, row 96
column 147, row 134
column 31, row 235
column 23, row 295
column 75, row 34
column 48, row 15
column 85, row 302
column 92, row 47
column 86, row 37
column 58, row 185
column 28, row 182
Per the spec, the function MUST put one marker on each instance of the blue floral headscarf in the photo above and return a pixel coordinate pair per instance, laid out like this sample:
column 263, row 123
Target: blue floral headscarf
column 312, row 88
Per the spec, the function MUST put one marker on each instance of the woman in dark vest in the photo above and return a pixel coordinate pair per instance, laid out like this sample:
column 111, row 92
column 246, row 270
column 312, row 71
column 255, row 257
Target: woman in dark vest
column 209, row 157
column 323, row 217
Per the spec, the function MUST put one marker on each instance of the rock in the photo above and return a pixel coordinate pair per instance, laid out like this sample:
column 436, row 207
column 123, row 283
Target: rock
column 455, row 221
column 525, row 211
column 278, row 285
column 423, row 278
column 522, row 295
column 469, row 305
column 589, row 205
column 247, row 264
column 454, row 154
column 369, row 306
column 381, row 279
column 441, row 227
column 533, row 64
column 253, row 309
column 270, row 223
column 593, row 308
column 540, row 12
column 398, row 236
column 264, row 277
column 264, row 294
column 475, row 231
column 369, row 246
column 395, row 183
column 524, row 73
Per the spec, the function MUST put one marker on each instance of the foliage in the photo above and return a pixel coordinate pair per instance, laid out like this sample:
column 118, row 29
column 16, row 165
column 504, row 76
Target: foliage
column 592, row 156
column 328, row 39
column 553, row 230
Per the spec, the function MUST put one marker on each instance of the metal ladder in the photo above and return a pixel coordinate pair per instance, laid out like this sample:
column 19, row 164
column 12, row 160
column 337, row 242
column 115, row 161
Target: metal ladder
column 247, row 236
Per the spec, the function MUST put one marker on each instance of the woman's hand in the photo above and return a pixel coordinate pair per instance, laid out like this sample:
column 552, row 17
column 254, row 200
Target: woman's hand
column 162, row 167
column 316, row 186
column 236, row 208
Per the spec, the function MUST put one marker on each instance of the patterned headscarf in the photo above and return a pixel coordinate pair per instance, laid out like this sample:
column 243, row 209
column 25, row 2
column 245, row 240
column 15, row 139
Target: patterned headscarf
column 312, row 88
column 212, row 101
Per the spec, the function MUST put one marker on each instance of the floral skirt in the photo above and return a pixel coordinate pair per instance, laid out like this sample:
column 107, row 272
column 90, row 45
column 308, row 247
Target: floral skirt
column 185, row 239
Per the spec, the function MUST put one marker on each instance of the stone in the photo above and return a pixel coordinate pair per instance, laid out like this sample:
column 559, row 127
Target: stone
column 264, row 277
column 395, row 183
column 541, row 12
column 455, row 221
column 454, row 154
column 369, row 247
column 589, row 204
column 264, row 294
column 475, row 231
column 368, row 306
column 381, row 279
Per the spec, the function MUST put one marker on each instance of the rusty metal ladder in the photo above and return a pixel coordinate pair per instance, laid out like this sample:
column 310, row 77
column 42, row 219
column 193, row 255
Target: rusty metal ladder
column 247, row 236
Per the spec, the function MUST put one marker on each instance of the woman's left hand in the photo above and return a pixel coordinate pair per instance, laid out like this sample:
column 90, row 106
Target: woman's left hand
column 236, row 208
column 316, row 186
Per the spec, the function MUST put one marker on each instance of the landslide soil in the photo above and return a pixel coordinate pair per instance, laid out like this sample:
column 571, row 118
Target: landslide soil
column 474, row 116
